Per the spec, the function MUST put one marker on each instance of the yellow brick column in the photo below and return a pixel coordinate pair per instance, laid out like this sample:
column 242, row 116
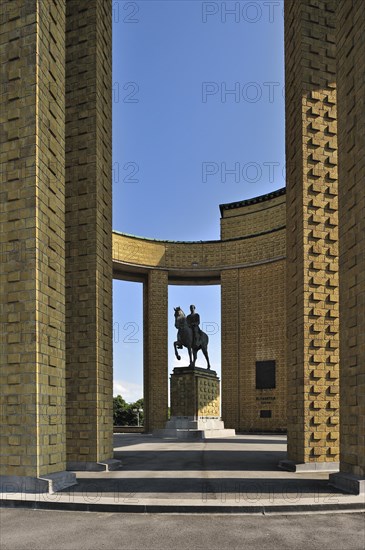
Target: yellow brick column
column 230, row 322
column 312, row 234
column 351, row 125
column 33, row 423
column 155, row 315
column 89, row 234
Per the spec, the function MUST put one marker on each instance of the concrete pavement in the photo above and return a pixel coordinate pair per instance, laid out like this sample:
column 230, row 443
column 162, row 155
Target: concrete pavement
column 233, row 475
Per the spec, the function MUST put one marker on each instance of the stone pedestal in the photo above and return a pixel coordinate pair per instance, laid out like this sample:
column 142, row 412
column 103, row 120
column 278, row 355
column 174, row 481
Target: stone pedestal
column 195, row 409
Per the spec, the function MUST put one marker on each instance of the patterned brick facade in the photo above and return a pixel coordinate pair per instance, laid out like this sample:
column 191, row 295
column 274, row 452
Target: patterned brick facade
column 194, row 393
column 351, row 122
column 312, row 231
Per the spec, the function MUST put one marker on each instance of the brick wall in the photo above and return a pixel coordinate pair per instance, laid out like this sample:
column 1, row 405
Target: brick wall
column 155, row 376
column 312, row 231
column 230, row 322
column 209, row 255
column 253, row 216
column 32, row 293
column 88, row 231
column 262, row 330
column 351, row 123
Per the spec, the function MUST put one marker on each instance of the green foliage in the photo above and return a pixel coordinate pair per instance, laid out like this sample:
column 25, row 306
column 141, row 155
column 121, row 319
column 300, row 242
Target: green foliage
column 124, row 413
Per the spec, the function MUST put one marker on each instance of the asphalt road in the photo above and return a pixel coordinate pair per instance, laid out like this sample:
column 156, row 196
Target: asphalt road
column 53, row 530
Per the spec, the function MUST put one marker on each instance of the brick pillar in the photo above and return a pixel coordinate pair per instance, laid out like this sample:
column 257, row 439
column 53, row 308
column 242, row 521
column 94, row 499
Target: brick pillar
column 33, row 426
column 155, row 357
column 312, row 233
column 230, row 322
column 88, row 233
column 351, row 124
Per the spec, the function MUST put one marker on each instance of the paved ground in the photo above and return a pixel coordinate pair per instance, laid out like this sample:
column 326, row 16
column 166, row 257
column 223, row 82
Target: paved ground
column 239, row 470
column 223, row 475
column 50, row 530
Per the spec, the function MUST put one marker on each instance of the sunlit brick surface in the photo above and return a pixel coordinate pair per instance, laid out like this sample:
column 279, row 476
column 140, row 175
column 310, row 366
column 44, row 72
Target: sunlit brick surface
column 312, row 231
column 88, row 231
column 32, row 281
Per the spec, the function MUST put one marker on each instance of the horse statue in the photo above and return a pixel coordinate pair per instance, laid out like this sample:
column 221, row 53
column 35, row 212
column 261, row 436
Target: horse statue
column 185, row 339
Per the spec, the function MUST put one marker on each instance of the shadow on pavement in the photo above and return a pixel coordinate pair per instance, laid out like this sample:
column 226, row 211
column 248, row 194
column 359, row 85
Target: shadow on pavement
column 225, row 460
column 255, row 487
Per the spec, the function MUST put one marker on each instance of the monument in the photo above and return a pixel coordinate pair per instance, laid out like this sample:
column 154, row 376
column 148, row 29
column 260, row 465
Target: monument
column 194, row 391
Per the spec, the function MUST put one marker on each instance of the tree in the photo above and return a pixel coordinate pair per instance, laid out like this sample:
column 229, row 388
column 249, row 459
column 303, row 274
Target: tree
column 119, row 411
column 138, row 406
column 124, row 413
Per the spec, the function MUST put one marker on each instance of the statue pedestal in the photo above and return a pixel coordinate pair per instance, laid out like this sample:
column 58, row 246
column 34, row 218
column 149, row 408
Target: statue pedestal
column 194, row 394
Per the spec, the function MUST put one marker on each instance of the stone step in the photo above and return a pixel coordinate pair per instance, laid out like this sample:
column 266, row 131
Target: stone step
column 189, row 427
column 191, row 423
column 199, row 435
column 225, row 432
column 178, row 434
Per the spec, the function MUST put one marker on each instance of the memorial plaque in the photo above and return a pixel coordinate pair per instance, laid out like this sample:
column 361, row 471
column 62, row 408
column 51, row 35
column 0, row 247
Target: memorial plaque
column 265, row 375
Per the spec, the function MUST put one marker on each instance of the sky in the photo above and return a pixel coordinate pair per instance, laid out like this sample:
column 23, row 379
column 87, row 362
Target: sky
column 198, row 120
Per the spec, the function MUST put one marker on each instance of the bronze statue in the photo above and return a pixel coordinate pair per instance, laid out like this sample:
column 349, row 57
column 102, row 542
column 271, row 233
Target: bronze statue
column 193, row 320
column 189, row 335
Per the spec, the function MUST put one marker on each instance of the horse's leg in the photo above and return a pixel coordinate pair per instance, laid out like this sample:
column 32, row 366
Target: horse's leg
column 205, row 352
column 176, row 353
column 195, row 353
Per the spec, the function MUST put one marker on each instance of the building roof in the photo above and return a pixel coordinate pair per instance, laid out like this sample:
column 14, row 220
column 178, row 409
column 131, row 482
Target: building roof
column 254, row 200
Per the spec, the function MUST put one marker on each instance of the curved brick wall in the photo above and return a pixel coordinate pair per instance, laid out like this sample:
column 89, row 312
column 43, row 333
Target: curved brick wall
column 252, row 232
column 249, row 263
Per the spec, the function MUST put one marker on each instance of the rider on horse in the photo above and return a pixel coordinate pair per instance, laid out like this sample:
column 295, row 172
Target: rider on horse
column 193, row 320
column 190, row 336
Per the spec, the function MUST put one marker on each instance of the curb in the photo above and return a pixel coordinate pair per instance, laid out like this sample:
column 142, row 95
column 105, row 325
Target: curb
column 182, row 509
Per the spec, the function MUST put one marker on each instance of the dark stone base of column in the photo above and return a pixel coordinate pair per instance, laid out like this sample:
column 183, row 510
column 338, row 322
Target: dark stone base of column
column 50, row 483
column 105, row 466
column 348, row 482
column 307, row 467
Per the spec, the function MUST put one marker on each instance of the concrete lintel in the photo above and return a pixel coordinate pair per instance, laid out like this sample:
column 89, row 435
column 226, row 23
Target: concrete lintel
column 308, row 467
column 49, row 483
column 348, row 482
column 104, row 466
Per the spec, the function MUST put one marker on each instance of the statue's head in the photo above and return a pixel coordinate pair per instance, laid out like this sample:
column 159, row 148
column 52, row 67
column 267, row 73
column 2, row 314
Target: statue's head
column 192, row 308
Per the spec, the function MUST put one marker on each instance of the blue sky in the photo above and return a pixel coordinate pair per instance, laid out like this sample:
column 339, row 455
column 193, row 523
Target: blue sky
column 198, row 120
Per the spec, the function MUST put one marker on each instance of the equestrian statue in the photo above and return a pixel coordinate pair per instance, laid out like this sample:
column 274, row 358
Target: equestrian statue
column 190, row 336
